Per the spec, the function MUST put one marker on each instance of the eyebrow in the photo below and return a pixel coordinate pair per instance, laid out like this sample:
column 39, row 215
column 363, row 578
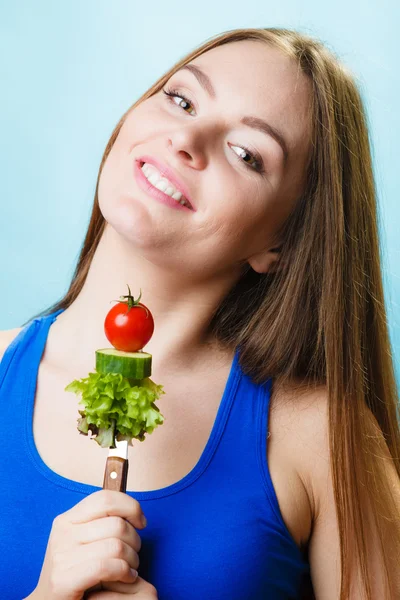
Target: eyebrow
column 254, row 122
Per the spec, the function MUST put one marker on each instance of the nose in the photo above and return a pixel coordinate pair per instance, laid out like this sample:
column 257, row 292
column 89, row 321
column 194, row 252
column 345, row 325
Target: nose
column 187, row 145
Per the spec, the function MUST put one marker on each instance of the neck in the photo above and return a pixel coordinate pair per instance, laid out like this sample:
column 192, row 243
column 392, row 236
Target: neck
column 181, row 307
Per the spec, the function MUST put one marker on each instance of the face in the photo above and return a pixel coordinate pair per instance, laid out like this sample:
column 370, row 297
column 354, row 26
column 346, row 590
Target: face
column 242, row 180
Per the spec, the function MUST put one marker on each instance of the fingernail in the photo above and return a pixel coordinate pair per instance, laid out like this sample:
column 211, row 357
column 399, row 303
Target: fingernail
column 134, row 573
column 144, row 521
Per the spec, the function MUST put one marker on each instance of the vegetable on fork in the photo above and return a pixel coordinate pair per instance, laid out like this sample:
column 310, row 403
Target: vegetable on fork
column 119, row 397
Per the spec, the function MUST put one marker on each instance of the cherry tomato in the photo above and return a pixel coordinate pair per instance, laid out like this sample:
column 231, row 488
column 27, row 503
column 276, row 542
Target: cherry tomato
column 129, row 325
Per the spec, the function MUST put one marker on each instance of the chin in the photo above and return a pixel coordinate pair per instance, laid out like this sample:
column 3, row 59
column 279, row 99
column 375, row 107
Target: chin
column 131, row 222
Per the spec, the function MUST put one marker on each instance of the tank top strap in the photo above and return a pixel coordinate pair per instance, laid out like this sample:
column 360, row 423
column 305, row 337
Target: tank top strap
column 28, row 346
column 243, row 442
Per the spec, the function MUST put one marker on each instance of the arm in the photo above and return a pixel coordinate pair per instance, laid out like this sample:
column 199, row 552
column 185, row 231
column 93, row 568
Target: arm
column 324, row 553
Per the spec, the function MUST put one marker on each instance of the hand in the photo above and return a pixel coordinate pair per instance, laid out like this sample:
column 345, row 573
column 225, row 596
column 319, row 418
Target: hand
column 140, row 590
column 95, row 541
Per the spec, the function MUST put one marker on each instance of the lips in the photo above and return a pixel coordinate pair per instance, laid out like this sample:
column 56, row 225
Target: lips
column 169, row 174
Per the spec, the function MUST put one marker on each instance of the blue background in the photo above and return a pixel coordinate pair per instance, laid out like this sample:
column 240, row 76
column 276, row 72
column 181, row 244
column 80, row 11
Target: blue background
column 69, row 70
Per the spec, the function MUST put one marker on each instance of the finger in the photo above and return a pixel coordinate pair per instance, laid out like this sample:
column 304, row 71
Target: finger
column 103, row 596
column 106, row 596
column 86, row 574
column 114, row 586
column 105, row 503
column 108, row 527
column 102, row 550
column 140, row 586
column 121, row 588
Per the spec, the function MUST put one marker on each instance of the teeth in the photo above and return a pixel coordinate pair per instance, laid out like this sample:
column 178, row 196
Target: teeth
column 162, row 183
column 154, row 178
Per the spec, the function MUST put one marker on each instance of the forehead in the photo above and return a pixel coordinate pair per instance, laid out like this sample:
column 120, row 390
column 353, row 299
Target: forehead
column 253, row 78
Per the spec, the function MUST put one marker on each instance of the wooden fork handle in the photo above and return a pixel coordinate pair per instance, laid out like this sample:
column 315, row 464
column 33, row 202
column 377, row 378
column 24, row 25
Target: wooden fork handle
column 115, row 474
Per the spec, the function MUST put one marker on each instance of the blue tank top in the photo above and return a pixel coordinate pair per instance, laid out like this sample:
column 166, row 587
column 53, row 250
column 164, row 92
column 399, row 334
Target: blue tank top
column 216, row 534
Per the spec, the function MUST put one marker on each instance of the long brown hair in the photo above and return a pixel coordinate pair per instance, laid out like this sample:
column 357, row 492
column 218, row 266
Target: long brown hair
column 321, row 318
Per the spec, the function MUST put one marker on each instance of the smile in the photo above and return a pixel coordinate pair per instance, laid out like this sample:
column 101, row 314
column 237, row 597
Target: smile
column 154, row 176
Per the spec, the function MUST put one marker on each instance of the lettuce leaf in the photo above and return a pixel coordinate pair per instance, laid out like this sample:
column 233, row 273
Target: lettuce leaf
column 116, row 407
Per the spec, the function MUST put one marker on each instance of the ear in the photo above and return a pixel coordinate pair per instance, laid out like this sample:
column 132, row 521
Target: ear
column 266, row 261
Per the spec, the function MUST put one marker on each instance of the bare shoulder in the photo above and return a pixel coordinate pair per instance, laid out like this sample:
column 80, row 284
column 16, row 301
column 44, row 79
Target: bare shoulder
column 297, row 428
column 6, row 337
column 306, row 413
column 302, row 415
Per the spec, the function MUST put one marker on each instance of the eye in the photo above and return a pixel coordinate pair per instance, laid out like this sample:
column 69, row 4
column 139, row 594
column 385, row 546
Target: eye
column 174, row 94
column 254, row 155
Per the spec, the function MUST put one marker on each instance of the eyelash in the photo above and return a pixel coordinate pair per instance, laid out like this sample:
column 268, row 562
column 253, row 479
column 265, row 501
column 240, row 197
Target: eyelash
column 259, row 168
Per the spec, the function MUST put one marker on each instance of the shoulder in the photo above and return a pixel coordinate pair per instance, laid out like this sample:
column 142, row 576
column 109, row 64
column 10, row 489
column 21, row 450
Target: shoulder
column 298, row 430
column 303, row 414
column 6, row 337
column 305, row 417
column 308, row 413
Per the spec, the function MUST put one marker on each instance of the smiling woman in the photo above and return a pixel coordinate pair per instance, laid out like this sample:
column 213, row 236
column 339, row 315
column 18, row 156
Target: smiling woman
column 238, row 194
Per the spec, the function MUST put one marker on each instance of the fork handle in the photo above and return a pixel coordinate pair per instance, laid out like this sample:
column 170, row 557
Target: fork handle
column 115, row 474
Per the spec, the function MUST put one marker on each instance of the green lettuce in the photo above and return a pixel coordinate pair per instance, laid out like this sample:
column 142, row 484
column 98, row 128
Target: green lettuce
column 117, row 408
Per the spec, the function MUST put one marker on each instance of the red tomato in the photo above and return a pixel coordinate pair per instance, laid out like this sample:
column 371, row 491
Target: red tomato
column 129, row 325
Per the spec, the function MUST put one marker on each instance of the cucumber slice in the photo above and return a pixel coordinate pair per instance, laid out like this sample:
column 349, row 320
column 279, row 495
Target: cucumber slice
column 132, row 365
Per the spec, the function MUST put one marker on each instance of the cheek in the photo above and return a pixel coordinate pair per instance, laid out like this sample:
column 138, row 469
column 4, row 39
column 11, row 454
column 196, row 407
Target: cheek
column 237, row 209
column 231, row 232
column 111, row 180
column 115, row 194
column 146, row 122
column 253, row 224
column 117, row 180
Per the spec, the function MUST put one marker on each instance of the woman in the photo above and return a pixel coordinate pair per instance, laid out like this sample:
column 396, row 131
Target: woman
column 279, row 454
